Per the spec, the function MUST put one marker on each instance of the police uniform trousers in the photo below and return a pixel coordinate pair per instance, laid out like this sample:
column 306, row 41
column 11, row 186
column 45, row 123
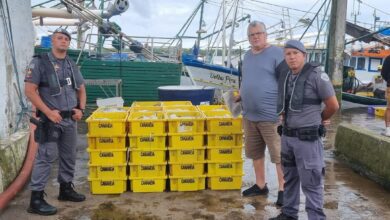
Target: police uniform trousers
column 303, row 164
column 64, row 149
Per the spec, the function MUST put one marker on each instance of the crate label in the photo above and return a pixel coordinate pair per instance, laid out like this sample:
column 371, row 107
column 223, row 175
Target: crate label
column 146, row 139
column 188, row 180
column 186, row 138
column 225, row 151
column 106, row 140
column 146, row 124
column 187, row 152
column 147, row 154
column 148, row 167
column 226, row 138
column 106, row 154
column 107, row 183
column 225, row 179
column 186, row 123
column 148, row 182
column 107, row 169
column 105, row 125
column 225, row 166
column 225, row 123
column 187, row 167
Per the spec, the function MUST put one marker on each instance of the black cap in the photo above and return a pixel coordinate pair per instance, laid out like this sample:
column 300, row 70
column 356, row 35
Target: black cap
column 296, row 45
column 63, row 31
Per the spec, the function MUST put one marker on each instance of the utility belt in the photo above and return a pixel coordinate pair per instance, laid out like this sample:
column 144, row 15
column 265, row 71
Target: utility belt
column 64, row 114
column 48, row 131
column 311, row 133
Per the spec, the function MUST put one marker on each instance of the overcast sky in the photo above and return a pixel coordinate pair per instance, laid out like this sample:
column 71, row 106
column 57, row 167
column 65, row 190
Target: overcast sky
column 166, row 17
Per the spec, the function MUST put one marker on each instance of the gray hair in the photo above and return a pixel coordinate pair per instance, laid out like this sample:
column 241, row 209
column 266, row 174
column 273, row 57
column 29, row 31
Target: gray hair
column 256, row 23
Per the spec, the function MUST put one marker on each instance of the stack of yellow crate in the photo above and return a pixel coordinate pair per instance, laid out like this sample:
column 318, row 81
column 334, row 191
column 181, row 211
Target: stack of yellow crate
column 107, row 149
column 147, row 139
column 185, row 145
column 224, row 148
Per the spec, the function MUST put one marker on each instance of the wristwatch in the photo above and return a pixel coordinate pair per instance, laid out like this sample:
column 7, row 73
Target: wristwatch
column 82, row 110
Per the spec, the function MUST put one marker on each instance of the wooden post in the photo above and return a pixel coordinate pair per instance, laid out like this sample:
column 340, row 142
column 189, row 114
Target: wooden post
column 336, row 36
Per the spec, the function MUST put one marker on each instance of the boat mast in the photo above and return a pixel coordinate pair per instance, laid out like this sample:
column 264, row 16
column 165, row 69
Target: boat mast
column 223, row 30
column 231, row 40
column 200, row 24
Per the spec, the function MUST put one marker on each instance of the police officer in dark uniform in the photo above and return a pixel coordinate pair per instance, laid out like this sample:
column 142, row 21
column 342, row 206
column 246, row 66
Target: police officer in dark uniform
column 303, row 87
column 56, row 88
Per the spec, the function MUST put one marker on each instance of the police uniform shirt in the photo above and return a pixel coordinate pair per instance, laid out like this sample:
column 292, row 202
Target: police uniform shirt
column 317, row 86
column 67, row 100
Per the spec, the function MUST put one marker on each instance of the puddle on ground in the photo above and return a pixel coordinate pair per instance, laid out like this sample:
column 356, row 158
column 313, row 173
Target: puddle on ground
column 198, row 215
column 109, row 211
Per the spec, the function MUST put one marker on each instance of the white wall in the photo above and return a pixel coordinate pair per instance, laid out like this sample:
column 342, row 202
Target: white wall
column 23, row 37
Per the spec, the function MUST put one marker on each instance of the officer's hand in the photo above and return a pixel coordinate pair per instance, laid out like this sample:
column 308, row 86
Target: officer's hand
column 54, row 116
column 326, row 122
column 237, row 98
column 78, row 114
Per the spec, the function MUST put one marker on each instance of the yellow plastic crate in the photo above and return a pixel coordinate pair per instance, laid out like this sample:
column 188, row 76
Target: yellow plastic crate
column 224, row 167
column 107, row 156
column 221, row 139
column 186, row 169
column 222, row 122
column 147, row 170
column 185, row 140
column 225, row 182
column 107, row 171
column 179, row 108
column 102, row 123
column 187, row 155
column 152, row 155
column 148, row 184
column 380, row 111
column 185, row 122
column 224, row 153
column 111, row 110
column 172, row 103
column 212, row 108
column 146, row 109
column 108, row 186
column 107, row 142
column 145, row 123
column 147, row 141
column 187, row 183
column 146, row 103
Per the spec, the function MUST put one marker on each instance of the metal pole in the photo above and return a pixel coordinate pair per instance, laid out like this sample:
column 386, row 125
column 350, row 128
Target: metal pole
column 223, row 31
column 200, row 24
column 334, row 64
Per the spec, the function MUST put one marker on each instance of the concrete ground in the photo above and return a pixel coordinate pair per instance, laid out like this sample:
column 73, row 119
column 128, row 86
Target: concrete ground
column 347, row 194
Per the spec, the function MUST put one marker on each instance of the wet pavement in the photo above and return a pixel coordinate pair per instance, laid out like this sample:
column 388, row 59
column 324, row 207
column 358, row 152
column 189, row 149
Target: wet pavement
column 347, row 194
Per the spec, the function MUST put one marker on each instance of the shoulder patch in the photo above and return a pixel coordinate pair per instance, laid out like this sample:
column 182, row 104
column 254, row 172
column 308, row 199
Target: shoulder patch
column 324, row 77
column 28, row 73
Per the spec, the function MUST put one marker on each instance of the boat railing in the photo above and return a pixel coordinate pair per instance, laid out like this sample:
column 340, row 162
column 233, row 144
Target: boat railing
column 131, row 48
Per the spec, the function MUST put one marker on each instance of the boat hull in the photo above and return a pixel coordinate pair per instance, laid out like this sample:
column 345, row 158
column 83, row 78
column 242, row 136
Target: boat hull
column 362, row 99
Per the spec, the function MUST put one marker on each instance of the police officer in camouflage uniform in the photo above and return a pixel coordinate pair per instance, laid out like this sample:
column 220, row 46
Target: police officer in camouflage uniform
column 302, row 89
column 56, row 88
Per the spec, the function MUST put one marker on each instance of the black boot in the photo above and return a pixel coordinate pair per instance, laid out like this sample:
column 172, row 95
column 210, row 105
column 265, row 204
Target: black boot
column 279, row 201
column 282, row 216
column 39, row 206
column 67, row 193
